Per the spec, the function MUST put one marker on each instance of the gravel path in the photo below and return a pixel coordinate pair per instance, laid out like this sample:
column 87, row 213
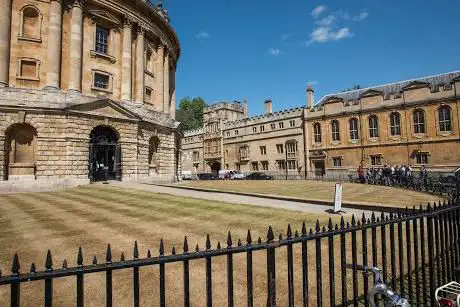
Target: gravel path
column 238, row 199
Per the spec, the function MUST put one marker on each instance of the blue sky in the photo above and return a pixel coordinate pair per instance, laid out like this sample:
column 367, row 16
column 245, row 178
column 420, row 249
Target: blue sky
column 258, row 49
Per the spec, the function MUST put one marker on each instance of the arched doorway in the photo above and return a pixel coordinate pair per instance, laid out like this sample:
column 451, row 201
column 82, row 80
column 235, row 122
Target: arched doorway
column 104, row 155
column 154, row 145
column 215, row 167
column 20, row 151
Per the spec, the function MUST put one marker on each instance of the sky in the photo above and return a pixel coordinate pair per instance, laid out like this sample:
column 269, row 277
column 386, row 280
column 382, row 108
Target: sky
column 260, row 49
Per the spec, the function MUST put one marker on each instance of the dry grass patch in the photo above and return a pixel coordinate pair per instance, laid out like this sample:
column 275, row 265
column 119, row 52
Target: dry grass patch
column 322, row 190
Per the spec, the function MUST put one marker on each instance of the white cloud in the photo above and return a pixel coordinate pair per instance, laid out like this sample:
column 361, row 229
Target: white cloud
column 326, row 34
column 363, row 15
column 202, row 35
column 318, row 10
column 286, row 36
column 328, row 20
column 274, row 51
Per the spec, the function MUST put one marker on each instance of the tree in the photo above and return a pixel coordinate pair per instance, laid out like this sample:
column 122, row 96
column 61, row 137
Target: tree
column 190, row 112
column 355, row 87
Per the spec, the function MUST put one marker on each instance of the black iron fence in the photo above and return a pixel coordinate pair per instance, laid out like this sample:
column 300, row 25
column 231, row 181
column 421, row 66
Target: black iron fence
column 417, row 249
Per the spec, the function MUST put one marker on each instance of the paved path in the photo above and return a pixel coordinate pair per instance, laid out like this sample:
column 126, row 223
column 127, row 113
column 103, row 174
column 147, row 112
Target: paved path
column 237, row 199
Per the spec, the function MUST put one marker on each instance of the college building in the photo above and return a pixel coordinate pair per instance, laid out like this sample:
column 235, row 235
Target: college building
column 87, row 91
column 414, row 122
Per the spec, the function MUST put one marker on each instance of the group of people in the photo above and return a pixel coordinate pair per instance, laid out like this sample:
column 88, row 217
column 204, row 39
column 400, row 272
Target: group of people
column 391, row 175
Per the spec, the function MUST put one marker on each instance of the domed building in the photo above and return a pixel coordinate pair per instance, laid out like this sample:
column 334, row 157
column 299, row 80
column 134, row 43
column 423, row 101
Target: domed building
column 87, row 91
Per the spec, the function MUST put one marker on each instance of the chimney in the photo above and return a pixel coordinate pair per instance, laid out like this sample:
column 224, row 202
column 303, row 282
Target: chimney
column 310, row 99
column 245, row 107
column 268, row 107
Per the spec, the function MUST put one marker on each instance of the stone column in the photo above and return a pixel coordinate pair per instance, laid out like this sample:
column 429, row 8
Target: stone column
column 140, row 66
column 172, row 108
column 160, row 76
column 126, row 60
column 76, row 46
column 166, row 102
column 54, row 45
column 5, row 31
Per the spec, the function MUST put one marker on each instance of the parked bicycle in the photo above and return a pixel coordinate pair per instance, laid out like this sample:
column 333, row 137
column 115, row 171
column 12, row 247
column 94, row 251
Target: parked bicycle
column 390, row 298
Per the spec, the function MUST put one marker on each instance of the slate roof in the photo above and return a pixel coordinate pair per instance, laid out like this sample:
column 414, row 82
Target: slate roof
column 394, row 88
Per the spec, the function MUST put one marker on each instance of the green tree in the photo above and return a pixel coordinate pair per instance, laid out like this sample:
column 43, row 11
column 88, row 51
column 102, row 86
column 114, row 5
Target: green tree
column 190, row 112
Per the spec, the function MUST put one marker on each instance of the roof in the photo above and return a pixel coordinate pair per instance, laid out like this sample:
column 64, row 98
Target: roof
column 393, row 88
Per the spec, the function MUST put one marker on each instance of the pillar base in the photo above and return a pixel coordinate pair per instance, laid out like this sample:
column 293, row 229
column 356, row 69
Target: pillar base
column 74, row 92
column 4, row 84
column 51, row 88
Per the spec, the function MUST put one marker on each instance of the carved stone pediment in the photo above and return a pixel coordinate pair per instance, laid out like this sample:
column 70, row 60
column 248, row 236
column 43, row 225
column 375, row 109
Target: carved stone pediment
column 416, row 85
column 105, row 16
column 104, row 108
column 333, row 99
column 371, row 93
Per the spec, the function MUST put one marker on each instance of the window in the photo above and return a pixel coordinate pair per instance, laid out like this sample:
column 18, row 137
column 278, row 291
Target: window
column 281, row 165
column 226, row 153
column 444, row 119
column 419, row 121
column 262, row 128
column 254, row 129
column 196, row 156
column 149, row 60
column 227, row 166
column 292, row 123
column 335, row 130
column 354, row 134
column 153, row 150
column 264, row 165
column 421, row 158
column 148, row 94
column 292, row 164
column 337, row 161
column 317, row 132
column 255, row 166
column 376, row 160
column 101, row 81
column 30, row 27
column 228, row 133
column 279, row 148
column 263, row 150
column 28, row 69
column 244, row 152
column 237, row 166
column 291, row 149
column 273, row 126
column 102, row 40
column 236, row 132
column 395, row 124
column 281, row 125
column 373, row 127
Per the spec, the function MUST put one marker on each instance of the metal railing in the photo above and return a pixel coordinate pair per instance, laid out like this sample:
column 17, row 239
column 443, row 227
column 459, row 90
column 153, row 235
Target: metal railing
column 418, row 247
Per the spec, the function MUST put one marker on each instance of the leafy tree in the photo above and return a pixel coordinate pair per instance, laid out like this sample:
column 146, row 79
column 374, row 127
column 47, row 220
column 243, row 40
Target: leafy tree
column 190, row 112
column 355, row 87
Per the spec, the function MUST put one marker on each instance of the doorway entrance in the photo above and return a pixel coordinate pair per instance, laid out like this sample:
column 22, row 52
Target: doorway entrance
column 215, row 167
column 320, row 169
column 104, row 155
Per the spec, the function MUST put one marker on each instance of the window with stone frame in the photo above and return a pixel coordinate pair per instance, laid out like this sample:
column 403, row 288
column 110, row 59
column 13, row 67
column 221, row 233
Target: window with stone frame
column 28, row 69
column 227, row 133
column 244, row 152
column 255, row 166
column 196, row 156
column 291, row 164
column 337, row 161
column 421, row 158
column 263, row 150
column 335, row 128
column 445, row 124
column 264, row 165
column 262, row 128
column 419, row 121
column 292, row 123
column 395, row 124
column 148, row 94
column 291, row 149
column 102, row 40
column 237, row 166
column 101, row 81
column 154, row 143
column 280, row 148
column 373, row 126
column 317, row 132
column 254, row 129
column 281, row 165
column 376, row 160
column 354, row 132
column 273, row 126
column 30, row 26
column 236, row 132
column 281, row 125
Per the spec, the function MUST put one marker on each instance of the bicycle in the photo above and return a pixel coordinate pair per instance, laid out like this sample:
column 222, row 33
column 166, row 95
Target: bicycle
column 390, row 298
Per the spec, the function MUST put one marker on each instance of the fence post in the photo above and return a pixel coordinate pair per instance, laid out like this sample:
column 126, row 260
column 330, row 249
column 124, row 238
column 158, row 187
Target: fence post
column 392, row 251
column 401, row 254
column 229, row 272
column 331, row 265
column 425, row 288
column 250, row 290
column 271, row 269
column 343, row 262
column 409, row 257
column 365, row 260
column 80, row 284
column 429, row 223
column 290, row 267
column 136, row 293
column 319, row 280
column 108, row 278
column 186, row 276
column 15, row 286
column 49, row 281
column 304, row 266
column 162, row 275
column 354, row 259
column 416, row 258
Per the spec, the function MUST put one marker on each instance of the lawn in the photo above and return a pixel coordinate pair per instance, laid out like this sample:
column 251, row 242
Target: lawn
column 321, row 190
column 93, row 216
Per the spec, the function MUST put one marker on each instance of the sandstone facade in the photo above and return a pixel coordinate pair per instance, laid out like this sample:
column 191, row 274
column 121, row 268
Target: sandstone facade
column 413, row 122
column 69, row 69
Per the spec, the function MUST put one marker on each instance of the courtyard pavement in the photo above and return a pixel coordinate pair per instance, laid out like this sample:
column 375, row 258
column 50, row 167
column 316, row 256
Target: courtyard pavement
column 237, row 199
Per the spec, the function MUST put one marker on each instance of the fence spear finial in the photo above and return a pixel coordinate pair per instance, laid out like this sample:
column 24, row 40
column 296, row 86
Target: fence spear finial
column 208, row 242
column 363, row 219
column 296, row 234
column 16, row 266
column 108, row 256
column 248, row 237
column 318, row 227
column 218, row 245
column 64, row 264
column 122, row 257
column 289, row 232
column 310, row 232
column 135, row 251
column 259, row 241
column 49, row 261
column 162, row 247
column 94, row 260
column 173, row 251
column 270, row 235
column 197, row 249
column 80, row 257
column 229, row 240
column 33, row 269
column 149, row 254
column 373, row 217
column 304, row 229
column 239, row 242
column 342, row 222
column 382, row 215
column 329, row 225
column 185, row 245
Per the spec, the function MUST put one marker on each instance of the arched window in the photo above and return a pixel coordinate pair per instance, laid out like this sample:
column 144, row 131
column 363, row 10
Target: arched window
column 317, row 132
column 153, row 150
column 419, row 121
column 373, row 126
column 335, row 130
column 20, row 154
column 395, row 124
column 30, row 23
column 354, row 134
column 445, row 119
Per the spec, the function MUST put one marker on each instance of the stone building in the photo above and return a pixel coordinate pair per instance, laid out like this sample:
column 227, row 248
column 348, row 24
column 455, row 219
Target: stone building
column 87, row 91
column 413, row 122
